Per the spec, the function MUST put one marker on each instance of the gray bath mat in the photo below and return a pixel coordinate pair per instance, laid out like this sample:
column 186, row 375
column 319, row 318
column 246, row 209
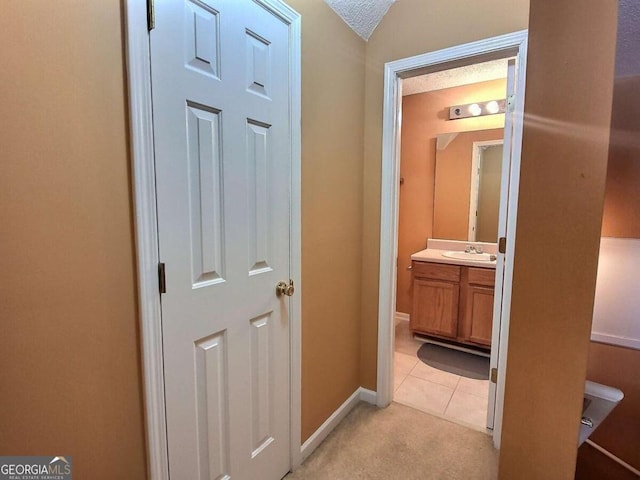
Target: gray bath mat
column 454, row 361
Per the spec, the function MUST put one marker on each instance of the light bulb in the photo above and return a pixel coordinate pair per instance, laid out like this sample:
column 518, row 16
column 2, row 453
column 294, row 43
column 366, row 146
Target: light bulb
column 493, row 107
column 474, row 109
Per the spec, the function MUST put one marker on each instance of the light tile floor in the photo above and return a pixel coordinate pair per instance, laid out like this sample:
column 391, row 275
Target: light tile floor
column 459, row 399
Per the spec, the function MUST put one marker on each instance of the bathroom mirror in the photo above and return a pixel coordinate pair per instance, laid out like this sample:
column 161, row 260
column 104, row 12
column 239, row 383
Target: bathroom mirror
column 467, row 185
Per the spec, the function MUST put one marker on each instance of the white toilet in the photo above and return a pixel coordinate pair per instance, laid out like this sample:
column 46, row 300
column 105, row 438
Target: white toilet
column 599, row 400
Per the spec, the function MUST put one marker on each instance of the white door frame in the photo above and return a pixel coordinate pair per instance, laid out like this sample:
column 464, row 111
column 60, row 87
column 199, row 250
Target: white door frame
column 503, row 46
column 146, row 231
column 476, row 150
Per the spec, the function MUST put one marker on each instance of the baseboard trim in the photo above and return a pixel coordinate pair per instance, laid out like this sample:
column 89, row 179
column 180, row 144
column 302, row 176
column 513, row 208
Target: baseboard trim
column 402, row 316
column 368, row 396
column 360, row 395
column 610, row 455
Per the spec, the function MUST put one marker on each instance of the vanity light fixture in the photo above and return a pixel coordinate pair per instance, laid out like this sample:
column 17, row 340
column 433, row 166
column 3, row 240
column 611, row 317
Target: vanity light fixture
column 477, row 109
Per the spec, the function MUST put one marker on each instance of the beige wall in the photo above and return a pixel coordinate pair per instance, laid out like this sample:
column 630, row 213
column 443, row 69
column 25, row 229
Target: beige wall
column 422, row 120
column 332, row 144
column 70, row 381
column 411, row 27
column 562, row 184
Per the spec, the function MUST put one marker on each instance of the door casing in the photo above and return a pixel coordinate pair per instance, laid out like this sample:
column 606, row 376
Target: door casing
column 503, row 46
column 146, row 232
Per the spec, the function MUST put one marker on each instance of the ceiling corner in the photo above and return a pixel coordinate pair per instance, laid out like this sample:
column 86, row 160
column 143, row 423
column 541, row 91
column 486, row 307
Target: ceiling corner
column 363, row 16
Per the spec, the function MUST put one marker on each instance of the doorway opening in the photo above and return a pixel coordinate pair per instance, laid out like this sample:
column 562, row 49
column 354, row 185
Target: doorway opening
column 456, row 290
column 451, row 192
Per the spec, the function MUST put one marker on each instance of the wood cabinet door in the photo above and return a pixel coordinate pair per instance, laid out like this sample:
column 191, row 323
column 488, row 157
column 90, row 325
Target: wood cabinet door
column 478, row 315
column 435, row 307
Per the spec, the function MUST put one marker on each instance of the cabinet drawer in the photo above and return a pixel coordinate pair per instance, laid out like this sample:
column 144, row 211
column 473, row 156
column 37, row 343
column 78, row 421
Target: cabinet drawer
column 482, row 276
column 437, row 271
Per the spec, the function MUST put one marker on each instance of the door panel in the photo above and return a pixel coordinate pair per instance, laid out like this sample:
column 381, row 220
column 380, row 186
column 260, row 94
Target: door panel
column 259, row 143
column 261, row 387
column 206, row 200
column 220, row 76
column 212, row 406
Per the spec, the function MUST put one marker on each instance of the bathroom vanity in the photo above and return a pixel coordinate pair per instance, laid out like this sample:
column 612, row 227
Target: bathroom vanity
column 452, row 298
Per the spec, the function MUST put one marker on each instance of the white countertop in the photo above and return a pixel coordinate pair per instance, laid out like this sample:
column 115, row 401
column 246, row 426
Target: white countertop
column 435, row 255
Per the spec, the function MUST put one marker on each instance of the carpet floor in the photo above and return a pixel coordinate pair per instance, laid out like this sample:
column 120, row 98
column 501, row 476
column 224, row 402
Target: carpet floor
column 399, row 442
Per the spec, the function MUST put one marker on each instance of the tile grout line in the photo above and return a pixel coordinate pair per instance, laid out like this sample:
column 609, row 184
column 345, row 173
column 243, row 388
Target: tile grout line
column 405, row 377
column 452, row 394
column 396, row 389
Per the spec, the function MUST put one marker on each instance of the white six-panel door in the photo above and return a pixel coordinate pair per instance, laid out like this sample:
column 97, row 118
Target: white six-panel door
column 220, row 91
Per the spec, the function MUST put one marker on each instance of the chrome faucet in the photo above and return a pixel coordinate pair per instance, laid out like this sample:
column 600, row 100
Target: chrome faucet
column 473, row 249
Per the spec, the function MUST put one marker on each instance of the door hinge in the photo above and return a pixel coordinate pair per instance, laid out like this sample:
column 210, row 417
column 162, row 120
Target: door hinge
column 151, row 15
column 494, row 375
column 502, row 245
column 162, row 283
column 511, row 100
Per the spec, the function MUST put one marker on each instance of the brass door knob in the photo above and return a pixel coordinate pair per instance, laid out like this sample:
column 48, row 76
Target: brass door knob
column 285, row 289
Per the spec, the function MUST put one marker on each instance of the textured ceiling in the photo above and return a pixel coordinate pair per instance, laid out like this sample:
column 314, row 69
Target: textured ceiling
column 363, row 16
column 454, row 77
column 628, row 51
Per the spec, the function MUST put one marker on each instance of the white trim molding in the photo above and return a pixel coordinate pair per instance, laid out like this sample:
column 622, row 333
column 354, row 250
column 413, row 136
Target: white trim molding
column 294, row 20
column 503, row 46
column 146, row 232
column 360, row 395
column 368, row 396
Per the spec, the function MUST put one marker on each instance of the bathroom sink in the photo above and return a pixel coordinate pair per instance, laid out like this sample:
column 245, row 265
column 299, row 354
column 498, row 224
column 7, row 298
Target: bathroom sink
column 477, row 257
